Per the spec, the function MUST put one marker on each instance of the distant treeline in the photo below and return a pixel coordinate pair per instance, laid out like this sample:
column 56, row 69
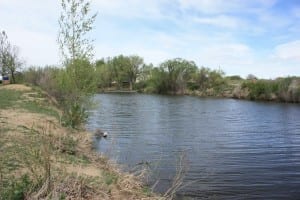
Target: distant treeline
column 174, row 76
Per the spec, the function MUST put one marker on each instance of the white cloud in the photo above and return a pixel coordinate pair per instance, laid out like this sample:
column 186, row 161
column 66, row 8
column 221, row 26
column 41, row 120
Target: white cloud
column 228, row 54
column 289, row 51
column 223, row 6
column 220, row 21
column 150, row 55
column 161, row 29
column 130, row 8
column 36, row 48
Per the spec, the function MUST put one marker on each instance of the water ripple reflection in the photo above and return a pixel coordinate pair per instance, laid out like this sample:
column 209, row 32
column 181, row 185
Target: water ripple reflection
column 235, row 149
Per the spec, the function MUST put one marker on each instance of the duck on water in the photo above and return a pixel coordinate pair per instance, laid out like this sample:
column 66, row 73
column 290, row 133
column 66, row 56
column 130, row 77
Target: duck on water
column 99, row 133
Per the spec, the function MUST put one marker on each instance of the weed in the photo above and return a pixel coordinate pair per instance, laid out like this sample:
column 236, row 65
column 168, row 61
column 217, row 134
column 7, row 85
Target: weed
column 68, row 145
column 8, row 98
column 36, row 107
column 74, row 115
column 147, row 191
column 110, row 178
column 16, row 189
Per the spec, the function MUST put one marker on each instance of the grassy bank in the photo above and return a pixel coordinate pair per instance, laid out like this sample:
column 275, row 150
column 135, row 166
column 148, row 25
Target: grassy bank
column 40, row 159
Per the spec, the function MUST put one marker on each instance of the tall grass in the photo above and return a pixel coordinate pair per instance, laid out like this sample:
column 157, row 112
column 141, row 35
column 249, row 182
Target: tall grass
column 281, row 89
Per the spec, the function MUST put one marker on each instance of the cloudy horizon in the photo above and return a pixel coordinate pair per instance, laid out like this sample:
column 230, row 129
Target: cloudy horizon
column 260, row 37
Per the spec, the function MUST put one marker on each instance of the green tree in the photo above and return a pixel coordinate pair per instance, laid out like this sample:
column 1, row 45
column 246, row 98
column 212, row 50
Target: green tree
column 77, row 81
column 119, row 65
column 145, row 72
column 74, row 24
column 201, row 78
column 179, row 72
column 104, row 73
column 158, row 81
column 133, row 69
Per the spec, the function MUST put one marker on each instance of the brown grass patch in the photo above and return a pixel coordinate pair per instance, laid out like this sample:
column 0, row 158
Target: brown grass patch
column 17, row 87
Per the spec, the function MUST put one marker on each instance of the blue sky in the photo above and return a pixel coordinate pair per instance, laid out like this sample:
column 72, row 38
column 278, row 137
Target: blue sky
column 261, row 37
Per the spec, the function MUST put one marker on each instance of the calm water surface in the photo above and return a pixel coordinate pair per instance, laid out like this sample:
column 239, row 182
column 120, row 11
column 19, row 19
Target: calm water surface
column 234, row 149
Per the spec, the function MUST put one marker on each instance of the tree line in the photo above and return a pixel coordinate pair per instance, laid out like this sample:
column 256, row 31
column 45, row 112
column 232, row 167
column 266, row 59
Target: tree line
column 78, row 78
column 173, row 76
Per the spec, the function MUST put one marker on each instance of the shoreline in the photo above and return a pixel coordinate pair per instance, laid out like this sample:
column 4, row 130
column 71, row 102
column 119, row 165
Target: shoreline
column 51, row 161
column 244, row 97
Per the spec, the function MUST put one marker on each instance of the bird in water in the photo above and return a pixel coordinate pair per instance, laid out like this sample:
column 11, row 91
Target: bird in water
column 99, row 133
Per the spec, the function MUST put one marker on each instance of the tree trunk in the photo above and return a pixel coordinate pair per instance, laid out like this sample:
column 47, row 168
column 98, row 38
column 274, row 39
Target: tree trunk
column 13, row 80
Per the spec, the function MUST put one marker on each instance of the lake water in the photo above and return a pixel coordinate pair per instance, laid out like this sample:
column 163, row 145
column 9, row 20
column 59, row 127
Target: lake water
column 233, row 149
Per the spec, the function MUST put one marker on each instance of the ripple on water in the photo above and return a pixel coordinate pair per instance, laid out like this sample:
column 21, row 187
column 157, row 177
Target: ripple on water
column 235, row 149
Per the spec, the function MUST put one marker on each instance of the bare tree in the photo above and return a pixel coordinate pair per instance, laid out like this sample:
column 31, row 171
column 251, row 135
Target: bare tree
column 13, row 62
column 4, row 44
column 10, row 61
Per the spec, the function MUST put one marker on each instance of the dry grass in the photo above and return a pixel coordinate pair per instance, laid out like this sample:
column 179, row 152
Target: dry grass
column 16, row 87
column 177, row 182
column 40, row 159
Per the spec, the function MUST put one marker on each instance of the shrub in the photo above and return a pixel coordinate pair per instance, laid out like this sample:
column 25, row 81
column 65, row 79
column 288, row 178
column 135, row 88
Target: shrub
column 74, row 115
column 261, row 89
column 71, row 87
column 16, row 189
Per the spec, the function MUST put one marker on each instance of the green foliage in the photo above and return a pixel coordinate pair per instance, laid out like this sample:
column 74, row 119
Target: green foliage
column 13, row 98
column 206, row 79
column 16, row 189
column 147, row 191
column 260, row 89
column 74, row 24
column 158, row 82
column 104, row 74
column 216, row 80
column 135, row 63
column 77, row 81
column 110, row 178
column 76, row 84
column 178, row 71
column 119, row 70
column 8, row 98
column 74, row 115
column 283, row 89
column 38, row 107
column 173, row 76
column 71, row 87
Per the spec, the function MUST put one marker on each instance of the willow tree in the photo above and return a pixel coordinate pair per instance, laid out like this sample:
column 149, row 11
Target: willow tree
column 75, row 23
column 179, row 72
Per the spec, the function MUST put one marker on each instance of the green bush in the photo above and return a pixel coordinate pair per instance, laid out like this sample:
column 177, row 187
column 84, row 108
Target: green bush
column 16, row 189
column 74, row 115
column 71, row 86
column 261, row 89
